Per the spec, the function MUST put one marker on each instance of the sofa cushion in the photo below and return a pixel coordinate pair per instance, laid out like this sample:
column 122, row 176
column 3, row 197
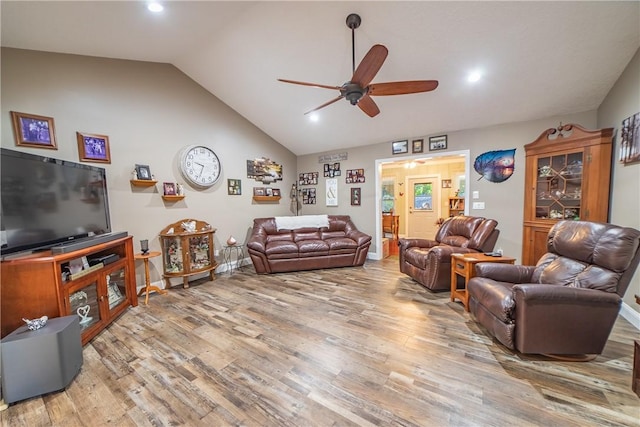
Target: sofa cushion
column 279, row 247
column 307, row 248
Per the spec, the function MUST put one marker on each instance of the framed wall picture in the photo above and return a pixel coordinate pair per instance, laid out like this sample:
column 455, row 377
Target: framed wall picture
column 446, row 183
column 310, row 178
column 308, row 196
column 169, row 188
column 93, row 148
column 438, row 143
column 332, row 192
column 234, row 187
column 356, row 193
column 31, row 130
column 417, row 146
column 259, row 191
column 143, row 172
column 354, row 176
column 276, row 192
column 400, row 147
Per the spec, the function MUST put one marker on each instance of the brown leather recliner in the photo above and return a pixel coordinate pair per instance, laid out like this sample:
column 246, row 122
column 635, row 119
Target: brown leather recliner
column 428, row 262
column 567, row 303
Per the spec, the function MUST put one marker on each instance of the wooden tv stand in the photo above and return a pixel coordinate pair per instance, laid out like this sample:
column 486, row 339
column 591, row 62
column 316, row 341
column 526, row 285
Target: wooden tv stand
column 33, row 286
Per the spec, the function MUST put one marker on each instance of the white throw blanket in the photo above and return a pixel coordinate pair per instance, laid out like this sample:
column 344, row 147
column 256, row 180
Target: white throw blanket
column 302, row 221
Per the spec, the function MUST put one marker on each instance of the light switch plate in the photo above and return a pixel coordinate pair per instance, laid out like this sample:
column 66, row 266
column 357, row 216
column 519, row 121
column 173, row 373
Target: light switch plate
column 478, row 205
column 475, row 194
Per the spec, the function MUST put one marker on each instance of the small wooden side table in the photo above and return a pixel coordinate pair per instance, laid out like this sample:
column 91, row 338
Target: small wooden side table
column 147, row 279
column 465, row 265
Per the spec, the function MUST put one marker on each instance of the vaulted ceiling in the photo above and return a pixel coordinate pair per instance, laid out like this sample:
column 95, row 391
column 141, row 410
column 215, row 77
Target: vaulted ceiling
column 538, row 59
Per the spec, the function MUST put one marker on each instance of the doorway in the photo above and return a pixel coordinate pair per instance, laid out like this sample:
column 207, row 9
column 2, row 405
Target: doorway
column 423, row 209
column 447, row 172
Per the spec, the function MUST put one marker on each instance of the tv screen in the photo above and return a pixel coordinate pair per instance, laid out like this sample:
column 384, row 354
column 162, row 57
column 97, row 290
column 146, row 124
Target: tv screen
column 46, row 201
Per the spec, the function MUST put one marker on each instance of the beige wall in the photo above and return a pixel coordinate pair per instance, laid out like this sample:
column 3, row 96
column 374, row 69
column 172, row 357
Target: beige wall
column 623, row 101
column 150, row 112
column 503, row 201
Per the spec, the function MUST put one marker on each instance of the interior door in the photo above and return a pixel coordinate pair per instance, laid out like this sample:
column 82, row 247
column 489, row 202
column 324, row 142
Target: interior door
column 423, row 206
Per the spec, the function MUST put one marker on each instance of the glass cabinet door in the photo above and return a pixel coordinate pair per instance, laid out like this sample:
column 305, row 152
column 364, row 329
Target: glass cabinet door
column 83, row 301
column 116, row 287
column 199, row 252
column 173, row 261
column 559, row 187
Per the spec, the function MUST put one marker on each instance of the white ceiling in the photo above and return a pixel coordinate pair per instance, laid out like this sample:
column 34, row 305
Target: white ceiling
column 539, row 59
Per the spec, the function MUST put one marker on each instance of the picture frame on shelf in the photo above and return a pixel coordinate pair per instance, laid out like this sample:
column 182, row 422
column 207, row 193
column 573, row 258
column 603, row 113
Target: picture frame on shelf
column 417, row 146
column 169, row 188
column 268, row 191
column 438, row 143
column 276, row 192
column 400, row 147
column 143, row 172
column 258, row 191
column 93, row 148
column 31, row 130
column 234, row 187
column 356, row 193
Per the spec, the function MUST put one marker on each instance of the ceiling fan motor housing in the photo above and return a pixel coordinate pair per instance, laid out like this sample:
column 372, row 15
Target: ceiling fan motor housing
column 352, row 92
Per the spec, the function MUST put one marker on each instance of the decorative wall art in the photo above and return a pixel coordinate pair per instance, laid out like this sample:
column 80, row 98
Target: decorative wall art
column 234, row 187
column 258, row 191
column 308, row 178
column 495, row 166
column 308, row 196
column 93, row 148
column 31, row 130
column 336, row 157
column 264, row 170
column 438, row 143
column 446, row 183
column 630, row 139
column 417, row 146
column 331, row 170
column 332, row 192
column 400, row 147
column 356, row 196
column 354, row 176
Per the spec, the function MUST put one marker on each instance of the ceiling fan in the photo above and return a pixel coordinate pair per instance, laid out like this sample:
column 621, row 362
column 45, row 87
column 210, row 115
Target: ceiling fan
column 358, row 91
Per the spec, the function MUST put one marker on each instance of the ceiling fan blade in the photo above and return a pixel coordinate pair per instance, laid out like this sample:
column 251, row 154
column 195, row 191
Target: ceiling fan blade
column 402, row 88
column 309, row 84
column 370, row 65
column 325, row 104
column 367, row 105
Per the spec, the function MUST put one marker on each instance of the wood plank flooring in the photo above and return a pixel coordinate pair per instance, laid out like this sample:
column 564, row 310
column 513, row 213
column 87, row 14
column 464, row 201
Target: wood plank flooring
column 341, row 347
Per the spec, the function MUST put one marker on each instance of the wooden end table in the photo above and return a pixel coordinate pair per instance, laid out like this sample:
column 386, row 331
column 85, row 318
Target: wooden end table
column 465, row 265
column 147, row 280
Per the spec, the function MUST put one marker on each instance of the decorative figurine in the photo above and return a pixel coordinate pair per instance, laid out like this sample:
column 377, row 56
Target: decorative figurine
column 35, row 324
column 144, row 246
column 231, row 241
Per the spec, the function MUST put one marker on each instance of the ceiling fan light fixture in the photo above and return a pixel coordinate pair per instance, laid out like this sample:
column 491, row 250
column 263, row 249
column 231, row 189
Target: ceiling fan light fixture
column 155, row 7
column 474, row 76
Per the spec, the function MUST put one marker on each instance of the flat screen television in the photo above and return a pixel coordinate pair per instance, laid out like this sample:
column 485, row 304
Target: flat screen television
column 46, row 201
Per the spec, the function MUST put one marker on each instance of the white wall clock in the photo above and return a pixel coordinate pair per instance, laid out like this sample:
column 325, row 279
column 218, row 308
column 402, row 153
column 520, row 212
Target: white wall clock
column 200, row 166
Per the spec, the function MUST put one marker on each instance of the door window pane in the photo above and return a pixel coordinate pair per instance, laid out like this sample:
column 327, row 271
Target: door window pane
column 423, row 196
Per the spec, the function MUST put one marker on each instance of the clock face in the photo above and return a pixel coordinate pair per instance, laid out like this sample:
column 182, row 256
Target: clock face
column 200, row 165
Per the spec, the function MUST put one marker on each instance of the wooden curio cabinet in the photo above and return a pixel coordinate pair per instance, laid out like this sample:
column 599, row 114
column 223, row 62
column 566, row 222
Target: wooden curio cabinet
column 187, row 251
column 567, row 177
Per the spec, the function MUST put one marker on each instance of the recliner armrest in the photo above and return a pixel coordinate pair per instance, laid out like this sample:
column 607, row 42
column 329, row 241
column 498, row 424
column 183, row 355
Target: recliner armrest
column 553, row 294
column 413, row 243
column 505, row 272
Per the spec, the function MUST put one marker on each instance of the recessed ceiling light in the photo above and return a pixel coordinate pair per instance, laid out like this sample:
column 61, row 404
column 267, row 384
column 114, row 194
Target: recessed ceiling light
column 155, row 7
column 314, row 117
column 474, row 76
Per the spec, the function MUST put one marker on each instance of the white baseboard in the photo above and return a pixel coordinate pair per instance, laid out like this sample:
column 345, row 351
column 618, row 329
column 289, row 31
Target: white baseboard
column 630, row 315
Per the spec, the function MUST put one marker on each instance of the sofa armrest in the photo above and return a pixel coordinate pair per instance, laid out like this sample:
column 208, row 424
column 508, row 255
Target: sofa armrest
column 505, row 272
column 258, row 241
column 359, row 237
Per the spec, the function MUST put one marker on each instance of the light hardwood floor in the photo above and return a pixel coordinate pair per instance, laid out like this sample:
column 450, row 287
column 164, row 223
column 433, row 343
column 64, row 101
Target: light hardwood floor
column 341, row 347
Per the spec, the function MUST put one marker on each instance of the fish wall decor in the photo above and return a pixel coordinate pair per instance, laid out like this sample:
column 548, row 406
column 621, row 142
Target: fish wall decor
column 495, row 166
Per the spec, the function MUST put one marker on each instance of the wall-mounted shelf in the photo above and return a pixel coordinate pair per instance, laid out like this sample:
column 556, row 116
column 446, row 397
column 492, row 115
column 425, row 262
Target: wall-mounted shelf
column 143, row 182
column 266, row 198
column 172, row 198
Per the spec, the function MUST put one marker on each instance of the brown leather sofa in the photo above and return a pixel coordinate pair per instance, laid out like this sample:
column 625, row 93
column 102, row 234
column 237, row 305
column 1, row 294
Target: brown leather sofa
column 568, row 302
column 428, row 262
column 340, row 244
